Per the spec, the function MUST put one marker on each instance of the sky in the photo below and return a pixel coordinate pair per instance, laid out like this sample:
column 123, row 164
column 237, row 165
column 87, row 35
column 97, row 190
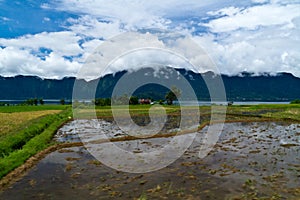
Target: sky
column 54, row 38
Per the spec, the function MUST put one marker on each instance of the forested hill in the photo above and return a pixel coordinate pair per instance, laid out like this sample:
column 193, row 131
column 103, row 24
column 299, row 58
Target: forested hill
column 245, row 87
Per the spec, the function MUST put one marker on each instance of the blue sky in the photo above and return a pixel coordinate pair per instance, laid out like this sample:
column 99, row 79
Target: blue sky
column 54, row 38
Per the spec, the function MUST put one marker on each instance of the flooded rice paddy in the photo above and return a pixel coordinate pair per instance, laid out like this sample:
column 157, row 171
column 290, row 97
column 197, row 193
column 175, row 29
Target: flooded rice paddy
column 250, row 160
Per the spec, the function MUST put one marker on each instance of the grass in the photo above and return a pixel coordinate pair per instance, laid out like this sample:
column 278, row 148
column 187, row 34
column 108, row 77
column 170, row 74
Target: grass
column 12, row 122
column 273, row 111
column 292, row 113
column 265, row 106
column 134, row 110
column 16, row 140
column 17, row 147
column 268, row 111
column 13, row 109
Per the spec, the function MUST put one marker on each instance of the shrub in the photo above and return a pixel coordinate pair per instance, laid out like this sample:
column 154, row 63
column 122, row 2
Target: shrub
column 296, row 101
column 134, row 100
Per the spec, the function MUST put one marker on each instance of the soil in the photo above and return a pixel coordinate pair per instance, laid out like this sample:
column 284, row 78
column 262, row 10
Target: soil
column 250, row 160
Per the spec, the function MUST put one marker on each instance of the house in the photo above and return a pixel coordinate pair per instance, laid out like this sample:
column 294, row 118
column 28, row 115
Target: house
column 144, row 101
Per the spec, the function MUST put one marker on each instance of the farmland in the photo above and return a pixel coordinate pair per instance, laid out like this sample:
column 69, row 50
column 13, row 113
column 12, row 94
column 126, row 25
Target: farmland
column 257, row 148
column 26, row 130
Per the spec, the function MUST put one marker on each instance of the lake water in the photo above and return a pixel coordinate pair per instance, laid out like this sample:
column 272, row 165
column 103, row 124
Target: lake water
column 46, row 101
column 186, row 103
column 208, row 103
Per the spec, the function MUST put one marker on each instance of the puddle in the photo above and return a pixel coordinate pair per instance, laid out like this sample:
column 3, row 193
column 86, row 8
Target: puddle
column 97, row 129
column 77, row 130
column 250, row 160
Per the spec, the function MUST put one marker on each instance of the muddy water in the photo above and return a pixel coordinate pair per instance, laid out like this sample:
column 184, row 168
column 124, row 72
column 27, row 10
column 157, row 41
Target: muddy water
column 250, row 160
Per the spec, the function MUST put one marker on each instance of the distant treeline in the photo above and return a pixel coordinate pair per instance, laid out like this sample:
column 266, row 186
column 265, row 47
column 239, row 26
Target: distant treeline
column 33, row 102
column 296, row 101
column 123, row 100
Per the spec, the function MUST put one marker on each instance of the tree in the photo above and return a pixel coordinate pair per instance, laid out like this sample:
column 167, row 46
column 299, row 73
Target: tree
column 296, row 101
column 29, row 102
column 62, row 102
column 35, row 101
column 102, row 101
column 134, row 100
column 98, row 102
column 107, row 101
column 41, row 101
column 172, row 95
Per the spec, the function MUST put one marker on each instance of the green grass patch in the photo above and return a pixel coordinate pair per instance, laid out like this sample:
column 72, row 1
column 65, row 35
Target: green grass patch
column 16, row 140
column 26, row 108
column 106, row 111
column 266, row 106
column 276, row 111
column 16, row 149
column 16, row 121
column 291, row 113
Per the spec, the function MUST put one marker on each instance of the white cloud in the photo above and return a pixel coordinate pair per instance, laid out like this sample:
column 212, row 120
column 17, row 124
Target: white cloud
column 256, row 36
column 91, row 27
column 270, row 49
column 5, row 19
column 45, row 6
column 46, row 19
column 22, row 55
column 258, row 39
column 131, row 51
column 135, row 14
column 283, row 2
column 229, row 11
column 15, row 61
column 63, row 43
column 260, row 1
column 254, row 17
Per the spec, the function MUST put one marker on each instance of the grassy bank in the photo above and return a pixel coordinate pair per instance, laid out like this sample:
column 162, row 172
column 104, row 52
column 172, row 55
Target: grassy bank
column 273, row 111
column 12, row 123
column 17, row 146
column 13, row 109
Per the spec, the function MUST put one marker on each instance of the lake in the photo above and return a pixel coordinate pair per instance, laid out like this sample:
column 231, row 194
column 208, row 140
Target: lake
column 185, row 103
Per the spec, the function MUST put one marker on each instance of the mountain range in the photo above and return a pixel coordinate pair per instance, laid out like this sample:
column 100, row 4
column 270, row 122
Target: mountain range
column 242, row 87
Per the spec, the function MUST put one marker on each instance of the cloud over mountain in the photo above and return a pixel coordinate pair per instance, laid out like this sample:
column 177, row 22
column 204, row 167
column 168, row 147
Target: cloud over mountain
column 57, row 38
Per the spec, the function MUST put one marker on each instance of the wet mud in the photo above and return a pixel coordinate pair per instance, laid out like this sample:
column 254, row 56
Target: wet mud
column 253, row 160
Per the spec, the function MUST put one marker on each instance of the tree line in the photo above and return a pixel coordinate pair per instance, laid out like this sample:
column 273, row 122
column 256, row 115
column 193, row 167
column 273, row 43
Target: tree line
column 39, row 101
column 170, row 97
